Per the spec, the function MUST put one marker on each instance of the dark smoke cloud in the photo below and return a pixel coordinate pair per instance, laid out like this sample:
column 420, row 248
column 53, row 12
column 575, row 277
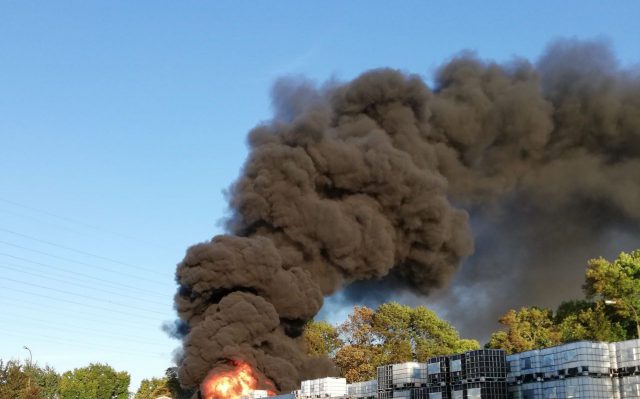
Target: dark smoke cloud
column 375, row 185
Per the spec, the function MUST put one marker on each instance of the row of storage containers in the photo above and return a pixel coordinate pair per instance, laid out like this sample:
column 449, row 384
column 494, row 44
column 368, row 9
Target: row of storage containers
column 323, row 387
column 587, row 387
column 576, row 387
column 470, row 390
column 577, row 358
column 478, row 365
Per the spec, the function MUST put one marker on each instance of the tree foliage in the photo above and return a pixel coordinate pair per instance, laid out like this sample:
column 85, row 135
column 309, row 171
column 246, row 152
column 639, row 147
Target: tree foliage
column 96, row 381
column 358, row 358
column 321, row 338
column 393, row 333
column 153, row 388
column 585, row 320
column 617, row 282
column 24, row 381
column 13, row 380
column 526, row 329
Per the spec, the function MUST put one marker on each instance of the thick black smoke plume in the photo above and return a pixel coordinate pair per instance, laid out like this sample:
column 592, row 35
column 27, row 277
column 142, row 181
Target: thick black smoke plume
column 376, row 185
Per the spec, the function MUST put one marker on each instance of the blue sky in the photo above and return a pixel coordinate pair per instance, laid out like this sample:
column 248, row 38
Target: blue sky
column 122, row 123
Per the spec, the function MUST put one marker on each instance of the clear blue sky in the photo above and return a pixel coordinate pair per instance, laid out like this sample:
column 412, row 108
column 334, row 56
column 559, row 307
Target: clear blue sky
column 121, row 123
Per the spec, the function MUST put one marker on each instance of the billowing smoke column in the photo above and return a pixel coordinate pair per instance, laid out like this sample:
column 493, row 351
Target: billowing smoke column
column 372, row 186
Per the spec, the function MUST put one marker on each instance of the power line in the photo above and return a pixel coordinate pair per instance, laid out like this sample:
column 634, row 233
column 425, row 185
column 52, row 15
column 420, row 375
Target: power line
column 79, row 295
column 4, row 266
column 77, row 261
column 136, row 315
column 78, row 273
column 75, row 314
column 77, row 250
column 29, row 217
column 75, row 328
column 30, row 334
column 81, row 223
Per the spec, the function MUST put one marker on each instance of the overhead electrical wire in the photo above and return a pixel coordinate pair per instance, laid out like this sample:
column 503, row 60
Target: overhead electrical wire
column 105, row 258
column 128, row 306
column 119, row 294
column 136, row 315
column 68, row 327
column 81, row 223
column 79, row 273
column 80, row 262
column 76, row 314
column 21, row 334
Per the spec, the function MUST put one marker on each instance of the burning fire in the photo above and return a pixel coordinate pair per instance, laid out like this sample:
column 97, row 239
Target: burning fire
column 234, row 384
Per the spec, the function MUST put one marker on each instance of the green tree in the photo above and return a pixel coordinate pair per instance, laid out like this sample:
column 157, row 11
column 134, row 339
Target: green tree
column 394, row 333
column 358, row 362
column 13, row 380
column 433, row 336
column 96, row 381
column 321, row 339
column 526, row 329
column 359, row 356
column 585, row 320
column 46, row 379
column 616, row 283
column 392, row 328
column 153, row 388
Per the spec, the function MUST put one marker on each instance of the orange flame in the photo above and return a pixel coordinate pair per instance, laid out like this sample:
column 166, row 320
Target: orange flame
column 234, row 384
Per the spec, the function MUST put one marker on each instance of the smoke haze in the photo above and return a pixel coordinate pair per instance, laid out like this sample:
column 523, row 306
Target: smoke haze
column 376, row 189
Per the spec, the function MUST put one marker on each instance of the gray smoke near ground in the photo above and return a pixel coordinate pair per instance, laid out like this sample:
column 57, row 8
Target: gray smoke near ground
column 372, row 189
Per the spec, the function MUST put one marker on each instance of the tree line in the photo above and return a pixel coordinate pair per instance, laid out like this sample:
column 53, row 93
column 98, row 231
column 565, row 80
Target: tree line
column 394, row 333
column 21, row 380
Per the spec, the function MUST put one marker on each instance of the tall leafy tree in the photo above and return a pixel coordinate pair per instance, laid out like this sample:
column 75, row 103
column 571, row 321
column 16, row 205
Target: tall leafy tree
column 96, row 381
column 46, row 379
column 321, row 338
column 617, row 283
column 153, row 388
column 526, row 329
column 394, row 333
column 13, row 380
column 585, row 320
column 358, row 358
column 433, row 336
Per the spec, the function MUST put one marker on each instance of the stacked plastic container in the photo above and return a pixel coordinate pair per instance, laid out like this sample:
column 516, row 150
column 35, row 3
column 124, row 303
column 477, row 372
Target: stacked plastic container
column 485, row 365
column 457, row 368
column 581, row 369
column 480, row 373
column 438, row 371
column 402, row 380
column 439, row 392
column 409, row 375
column 627, row 359
column 329, row 387
column 363, row 390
